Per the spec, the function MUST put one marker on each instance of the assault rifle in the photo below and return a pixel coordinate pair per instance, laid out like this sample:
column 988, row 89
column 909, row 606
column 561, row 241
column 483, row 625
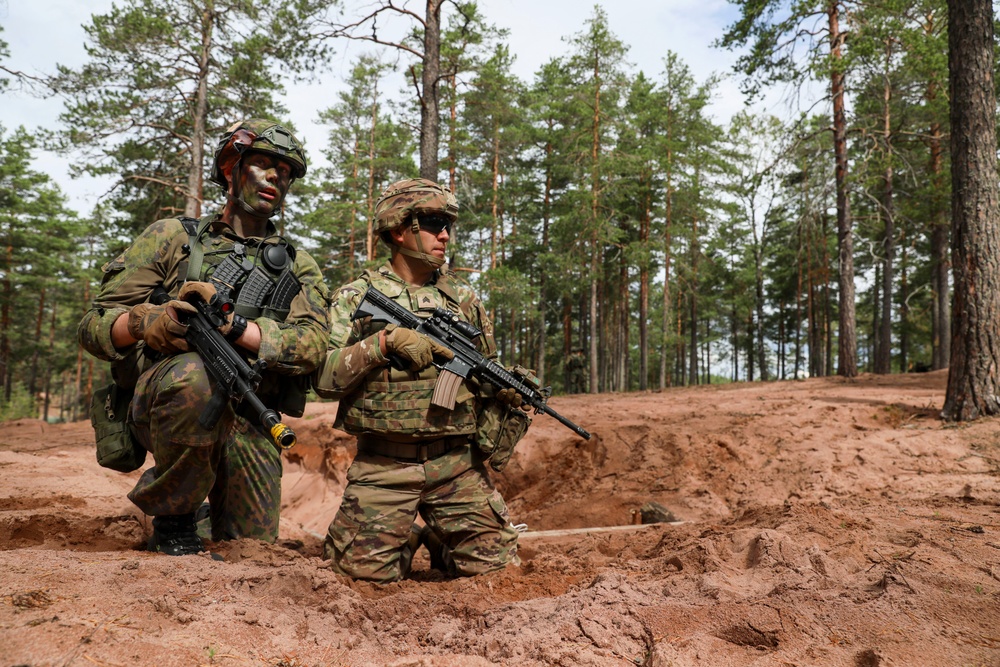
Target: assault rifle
column 236, row 380
column 458, row 336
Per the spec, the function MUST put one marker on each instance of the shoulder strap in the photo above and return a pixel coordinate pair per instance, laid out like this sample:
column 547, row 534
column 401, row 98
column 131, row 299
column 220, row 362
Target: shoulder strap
column 196, row 254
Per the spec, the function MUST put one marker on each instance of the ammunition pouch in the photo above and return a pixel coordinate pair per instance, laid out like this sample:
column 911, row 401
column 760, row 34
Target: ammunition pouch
column 117, row 448
column 498, row 431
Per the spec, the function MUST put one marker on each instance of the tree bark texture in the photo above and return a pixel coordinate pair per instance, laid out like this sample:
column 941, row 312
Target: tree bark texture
column 975, row 351
column 429, row 102
column 847, row 343
column 194, row 196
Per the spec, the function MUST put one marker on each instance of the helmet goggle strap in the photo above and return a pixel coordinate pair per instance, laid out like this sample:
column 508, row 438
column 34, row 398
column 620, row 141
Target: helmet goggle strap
column 420, row 254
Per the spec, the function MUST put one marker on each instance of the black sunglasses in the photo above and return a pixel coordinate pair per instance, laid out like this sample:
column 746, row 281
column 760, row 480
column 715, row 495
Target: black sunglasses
column 435, row 223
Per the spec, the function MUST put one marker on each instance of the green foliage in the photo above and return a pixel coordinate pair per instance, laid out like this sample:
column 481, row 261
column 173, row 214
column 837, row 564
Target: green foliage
column 39, row 270
column 162, row 82
column 367, row 150
column 598, row 205
column 20, row 405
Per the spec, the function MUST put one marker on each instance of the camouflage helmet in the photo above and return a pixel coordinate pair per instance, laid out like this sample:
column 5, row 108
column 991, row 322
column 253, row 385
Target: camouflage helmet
column 413, row 196
column 256, row 134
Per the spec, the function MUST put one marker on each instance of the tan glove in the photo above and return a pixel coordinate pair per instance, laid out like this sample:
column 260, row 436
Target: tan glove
column 416, row 348
column 194, row 291
column 509, row 397
column 159, row 326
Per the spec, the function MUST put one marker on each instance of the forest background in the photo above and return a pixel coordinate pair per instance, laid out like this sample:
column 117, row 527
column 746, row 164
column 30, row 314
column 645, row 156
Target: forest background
column 604, row 207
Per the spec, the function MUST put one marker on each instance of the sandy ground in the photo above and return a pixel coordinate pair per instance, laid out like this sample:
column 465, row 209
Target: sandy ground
column 822, row 522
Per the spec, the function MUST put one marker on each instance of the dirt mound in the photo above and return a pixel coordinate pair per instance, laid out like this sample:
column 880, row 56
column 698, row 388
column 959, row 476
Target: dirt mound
column 820, row 522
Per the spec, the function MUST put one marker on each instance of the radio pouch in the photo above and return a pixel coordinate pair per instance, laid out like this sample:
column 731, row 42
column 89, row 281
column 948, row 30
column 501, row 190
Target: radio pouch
column 117, row 448
column 498, row 432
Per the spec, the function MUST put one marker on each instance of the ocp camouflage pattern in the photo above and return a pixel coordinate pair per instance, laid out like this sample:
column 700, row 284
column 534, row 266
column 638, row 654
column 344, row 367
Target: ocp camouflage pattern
column 454, row 495
column 414, row 195
column 452, row 492
column 380, row 400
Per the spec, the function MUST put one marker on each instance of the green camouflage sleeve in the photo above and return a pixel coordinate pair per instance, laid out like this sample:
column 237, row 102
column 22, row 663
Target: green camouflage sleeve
column 128, row 280
column 297, row 346
column 349, row 357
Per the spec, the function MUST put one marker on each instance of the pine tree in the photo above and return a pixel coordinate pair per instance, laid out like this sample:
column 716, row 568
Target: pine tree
column 38, row 264
column 366, row 150
column 973, row 389
column 597, row 64
column 774, row 32
column 163, row 80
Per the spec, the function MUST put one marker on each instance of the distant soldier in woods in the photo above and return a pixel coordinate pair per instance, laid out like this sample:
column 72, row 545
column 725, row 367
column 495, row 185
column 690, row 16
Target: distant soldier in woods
column 575, row 367
column 280, row 318
column 415, row 457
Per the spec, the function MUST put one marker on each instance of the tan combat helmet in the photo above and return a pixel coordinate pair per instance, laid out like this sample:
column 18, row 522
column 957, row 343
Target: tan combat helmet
column 409, row 200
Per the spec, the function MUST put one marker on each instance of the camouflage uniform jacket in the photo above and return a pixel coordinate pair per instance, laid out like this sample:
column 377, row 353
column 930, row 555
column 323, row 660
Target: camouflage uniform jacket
column 376, row 399
column 158, row 256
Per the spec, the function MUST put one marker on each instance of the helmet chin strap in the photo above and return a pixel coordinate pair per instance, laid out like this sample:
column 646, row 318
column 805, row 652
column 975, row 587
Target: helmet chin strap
column 431, row 260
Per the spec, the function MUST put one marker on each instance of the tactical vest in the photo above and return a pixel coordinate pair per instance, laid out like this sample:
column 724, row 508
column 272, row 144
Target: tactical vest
column 257, row 277
column 395, row 404
column 261, row 283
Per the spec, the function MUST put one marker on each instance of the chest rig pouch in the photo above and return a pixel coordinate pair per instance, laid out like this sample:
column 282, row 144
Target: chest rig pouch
column 256, row 276
column 397, row 405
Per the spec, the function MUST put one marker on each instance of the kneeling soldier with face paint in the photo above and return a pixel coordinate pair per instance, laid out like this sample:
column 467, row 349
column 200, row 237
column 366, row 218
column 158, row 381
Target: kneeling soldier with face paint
column 279, row 324
column 415, row 456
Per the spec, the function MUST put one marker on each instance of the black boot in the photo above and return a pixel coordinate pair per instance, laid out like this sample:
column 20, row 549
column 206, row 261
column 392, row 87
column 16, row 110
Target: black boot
column 175, row 536
column 440, row 554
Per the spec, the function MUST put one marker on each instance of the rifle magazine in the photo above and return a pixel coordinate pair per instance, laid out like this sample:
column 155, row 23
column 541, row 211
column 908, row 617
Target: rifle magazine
column 446, row 390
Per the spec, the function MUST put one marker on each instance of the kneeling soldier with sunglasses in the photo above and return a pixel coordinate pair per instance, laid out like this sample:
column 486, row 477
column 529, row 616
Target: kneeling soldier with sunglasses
column 416, row 455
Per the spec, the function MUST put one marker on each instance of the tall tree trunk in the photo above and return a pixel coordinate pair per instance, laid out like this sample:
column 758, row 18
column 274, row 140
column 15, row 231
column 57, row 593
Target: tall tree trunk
column 595, row 266
column 667, row 242
column 904, row 311
column 495, row 194
column 194, row 196
column 827, row 334
column 49, row 359
column 782, row 343
column 353, row 218
column 546, row 212
column 883, row 362
column 452, row 131
column 693, row 303
column 567, row 322
column 5, row 322
column 847, row 348
column 940, row 261
column 874, row 344
column 644, row 300
column 973, row 381
column 370, row 240
column 623, row 329
column 759, row 311
column 33, row 371
column 798, row 302
column 812, row 311
column 429, row 98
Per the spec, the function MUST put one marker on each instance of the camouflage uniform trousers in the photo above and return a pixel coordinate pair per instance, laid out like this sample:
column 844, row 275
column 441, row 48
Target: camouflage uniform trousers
column 233, row 465
column 454, row 495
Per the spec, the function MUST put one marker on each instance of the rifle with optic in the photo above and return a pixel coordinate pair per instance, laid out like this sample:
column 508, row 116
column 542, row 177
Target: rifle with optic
column 459, row 336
